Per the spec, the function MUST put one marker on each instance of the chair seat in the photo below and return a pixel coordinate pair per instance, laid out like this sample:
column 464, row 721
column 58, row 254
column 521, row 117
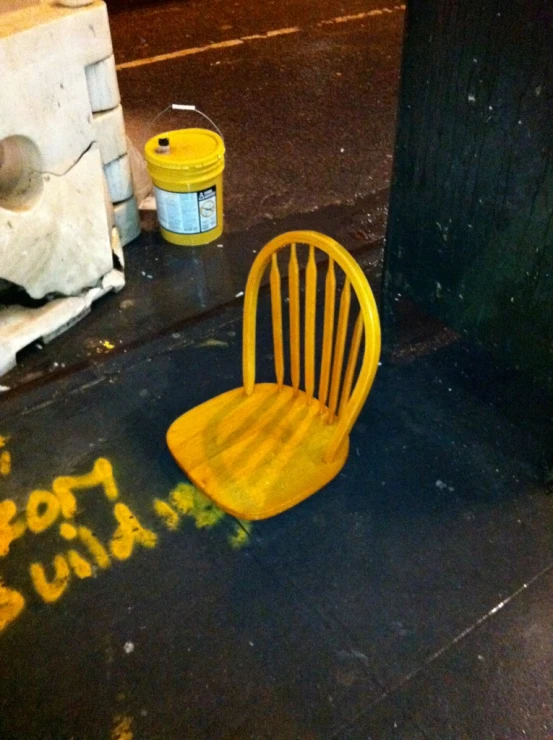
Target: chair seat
column 256, row 456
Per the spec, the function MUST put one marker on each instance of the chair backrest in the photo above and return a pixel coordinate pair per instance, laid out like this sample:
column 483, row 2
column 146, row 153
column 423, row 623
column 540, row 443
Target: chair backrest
column 340, row 395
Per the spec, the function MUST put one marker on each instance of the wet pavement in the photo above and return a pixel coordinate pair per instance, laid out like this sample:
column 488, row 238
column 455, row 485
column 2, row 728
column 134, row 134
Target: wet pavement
column 411, row 598
column 169, row 286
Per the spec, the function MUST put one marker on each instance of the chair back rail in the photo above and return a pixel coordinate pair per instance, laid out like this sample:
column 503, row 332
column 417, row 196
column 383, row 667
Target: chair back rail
column 341, row 395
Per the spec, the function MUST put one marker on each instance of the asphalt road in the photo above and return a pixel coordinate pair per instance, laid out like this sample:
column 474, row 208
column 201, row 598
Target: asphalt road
column 305, row 93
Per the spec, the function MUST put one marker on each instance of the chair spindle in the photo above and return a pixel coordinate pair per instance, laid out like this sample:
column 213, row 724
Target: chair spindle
column 341, row 333
column 328, row 332
column 294, row 297
column 352, row 362
column 276, row 307
column 310, row 313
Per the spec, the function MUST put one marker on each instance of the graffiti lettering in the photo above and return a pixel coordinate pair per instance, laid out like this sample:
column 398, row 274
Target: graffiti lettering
column 129, row 532
column 186, row 501
column 100, row 475
column 51, row 591
column 10, row 530
column 44, row 510
column 5, row 458
column 95, row 548
column 11, row 605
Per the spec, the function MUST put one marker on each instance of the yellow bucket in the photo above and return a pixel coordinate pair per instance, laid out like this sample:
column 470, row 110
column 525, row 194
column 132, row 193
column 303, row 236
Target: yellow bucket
column 186, row 167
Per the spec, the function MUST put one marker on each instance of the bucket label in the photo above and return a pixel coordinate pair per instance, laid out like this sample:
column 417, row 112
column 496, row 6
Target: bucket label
column 207, row 202
column 187, row 213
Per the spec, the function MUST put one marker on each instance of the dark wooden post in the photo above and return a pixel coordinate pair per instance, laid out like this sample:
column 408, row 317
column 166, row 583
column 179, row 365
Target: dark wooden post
column 470, row 233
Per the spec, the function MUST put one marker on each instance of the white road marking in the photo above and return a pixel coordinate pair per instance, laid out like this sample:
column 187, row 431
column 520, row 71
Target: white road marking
column 271, row 34
column 360, row 16
column 254, row 37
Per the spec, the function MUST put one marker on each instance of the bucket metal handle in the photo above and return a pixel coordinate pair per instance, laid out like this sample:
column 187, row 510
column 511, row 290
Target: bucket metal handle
column 180, row 106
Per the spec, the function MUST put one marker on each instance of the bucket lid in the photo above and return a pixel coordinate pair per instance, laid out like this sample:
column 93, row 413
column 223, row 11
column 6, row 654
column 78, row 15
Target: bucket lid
column 190, row 148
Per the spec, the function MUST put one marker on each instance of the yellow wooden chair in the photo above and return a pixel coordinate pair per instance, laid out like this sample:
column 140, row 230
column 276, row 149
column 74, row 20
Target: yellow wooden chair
column 259, row 449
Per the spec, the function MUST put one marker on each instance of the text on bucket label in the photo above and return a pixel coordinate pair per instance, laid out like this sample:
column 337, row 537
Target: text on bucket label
column 187, row 213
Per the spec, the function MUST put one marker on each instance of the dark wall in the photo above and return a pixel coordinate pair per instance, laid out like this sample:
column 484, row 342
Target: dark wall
column 470, row 233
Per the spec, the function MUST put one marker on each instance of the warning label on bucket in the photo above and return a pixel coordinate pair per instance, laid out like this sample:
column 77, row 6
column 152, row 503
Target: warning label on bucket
column 187, row 213
column 207, row 201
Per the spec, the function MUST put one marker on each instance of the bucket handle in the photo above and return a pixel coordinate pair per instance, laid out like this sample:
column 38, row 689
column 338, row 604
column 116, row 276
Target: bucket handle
column 180, row 106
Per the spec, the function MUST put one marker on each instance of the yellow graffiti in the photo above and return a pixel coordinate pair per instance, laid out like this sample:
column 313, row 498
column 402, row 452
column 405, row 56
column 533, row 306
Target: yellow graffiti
column 9, row 530
column 51, row 591
column 182, row 497
column 68, row 531
column 5, row 463
column 122, row 729
column 128, row 532
column 95, row 548
column 81, row 567
column 191, row 502
column 187, row 500
column 165, row 512
column 5, row 458
column 240, row 536
column 100, row 475
column 11, row 605
column 43, row 509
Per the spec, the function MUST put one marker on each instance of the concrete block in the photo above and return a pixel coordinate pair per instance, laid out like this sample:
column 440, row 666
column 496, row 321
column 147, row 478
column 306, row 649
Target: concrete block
column 20, row 326
column 55, row 217
column 108, row 204
column 119, row 179
column 62, row 242
column 103, row 90
column 127, row 220
column 109, row 132
column 44, row 50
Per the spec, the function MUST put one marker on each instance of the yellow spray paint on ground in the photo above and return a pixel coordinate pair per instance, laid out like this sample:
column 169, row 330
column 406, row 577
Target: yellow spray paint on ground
column 186, row 501
column 168, row 515
column 128, row 533
column 43, row 510
column 57, row 511
column 51, row 590
column 122, row 728
column 11, row 527
column 94, row 547
column 11, row 605
column 5, row 463
column 5, row 457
